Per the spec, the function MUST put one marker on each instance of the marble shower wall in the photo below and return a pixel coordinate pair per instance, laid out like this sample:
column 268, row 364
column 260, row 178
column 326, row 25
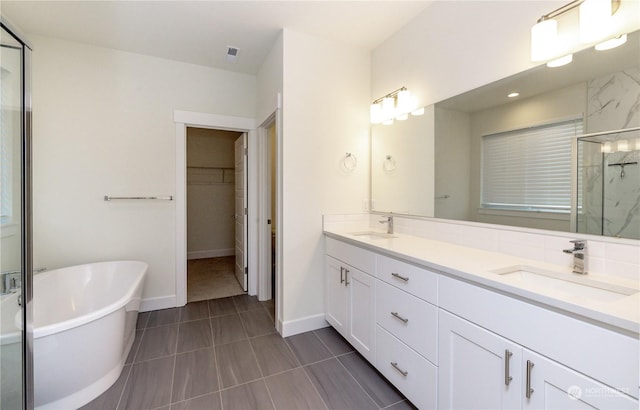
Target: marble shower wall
column 613, row 103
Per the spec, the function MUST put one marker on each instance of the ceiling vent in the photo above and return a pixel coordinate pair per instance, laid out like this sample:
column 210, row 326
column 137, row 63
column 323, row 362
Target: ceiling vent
column 232, row 54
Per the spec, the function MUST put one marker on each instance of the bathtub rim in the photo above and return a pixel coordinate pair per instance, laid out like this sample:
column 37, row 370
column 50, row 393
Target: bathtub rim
column 122, row 301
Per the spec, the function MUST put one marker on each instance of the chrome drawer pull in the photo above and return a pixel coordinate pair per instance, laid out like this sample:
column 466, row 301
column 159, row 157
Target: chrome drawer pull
column 402, row 372
column 341, row 274
column 507, row 357
column 528, row 389
column 398, row 276
column 397, row 316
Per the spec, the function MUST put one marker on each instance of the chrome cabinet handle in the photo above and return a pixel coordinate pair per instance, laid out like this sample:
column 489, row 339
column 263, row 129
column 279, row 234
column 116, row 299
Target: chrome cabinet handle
column 341, row 274
column 397, row 316
column 398, row 276
column 529, row 390
column 507, row 357
column 346, row 277
column 402, row 372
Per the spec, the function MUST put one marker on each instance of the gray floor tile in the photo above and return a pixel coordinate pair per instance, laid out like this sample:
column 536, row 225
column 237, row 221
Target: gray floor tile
column 157, row 342
column 334, row 341
column 273, row 354
column 222, row 307
column 250, row 396
column 270, row 306
column 134, row 347
column 149, row 385
column 293, row 390
column 206, row 402
column 246, row 302
column 227, row 329
column 164, row 317
column 337, row 387
column 110, row 398
column 195, row 374
column 380, row 390
column 257, row 323
column 308, row 348
column 194, row 335
column 143, row 318
column 237, row 363
column 194, row 311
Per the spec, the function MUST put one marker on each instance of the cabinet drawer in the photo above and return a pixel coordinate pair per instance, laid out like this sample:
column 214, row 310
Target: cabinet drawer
column 411, row 373
column 357, row 257
column 408, row 318
column 417, row 281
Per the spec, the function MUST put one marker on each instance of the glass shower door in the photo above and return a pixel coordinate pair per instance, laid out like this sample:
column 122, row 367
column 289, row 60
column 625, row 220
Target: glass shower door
column 15, row 249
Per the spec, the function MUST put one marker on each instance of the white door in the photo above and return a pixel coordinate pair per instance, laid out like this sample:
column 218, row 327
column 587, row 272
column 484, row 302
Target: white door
column 241, row 210
column 362, row 308
column 478, row 369
column 336, row 296
column 553, row 386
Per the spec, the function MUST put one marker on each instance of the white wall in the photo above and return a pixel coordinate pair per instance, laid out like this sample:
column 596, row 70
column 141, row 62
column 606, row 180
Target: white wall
column 325, row 114
column 210, row 193
column 270, row 82
column 103, row 124
column 409, row 187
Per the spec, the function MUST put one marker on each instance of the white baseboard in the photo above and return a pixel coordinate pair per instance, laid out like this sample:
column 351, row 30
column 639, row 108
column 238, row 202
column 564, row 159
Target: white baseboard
column 212, row 253
column 157, row 303
column 305, row 324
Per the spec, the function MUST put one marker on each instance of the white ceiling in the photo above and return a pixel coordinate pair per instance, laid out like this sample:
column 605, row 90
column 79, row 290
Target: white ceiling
column 199, row 32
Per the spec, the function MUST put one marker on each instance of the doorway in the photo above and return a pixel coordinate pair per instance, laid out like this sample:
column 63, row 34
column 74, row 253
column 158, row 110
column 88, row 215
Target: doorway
column 216, row 204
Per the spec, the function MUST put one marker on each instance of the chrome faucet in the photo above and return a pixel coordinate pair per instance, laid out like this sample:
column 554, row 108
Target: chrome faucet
column 389, row 221
column 579, row 252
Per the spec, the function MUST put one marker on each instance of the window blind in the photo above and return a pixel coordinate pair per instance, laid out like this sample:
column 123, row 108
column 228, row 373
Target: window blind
column 529, row 169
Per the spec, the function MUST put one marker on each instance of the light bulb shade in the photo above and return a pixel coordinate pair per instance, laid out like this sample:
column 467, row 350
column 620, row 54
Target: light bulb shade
column 543, row 40
column 559, row 62
column 595, row 20
column 623, row 145
column 375, row 113
column 606, row 148
column 612, row 43
column 404, row 102
column 388, row 108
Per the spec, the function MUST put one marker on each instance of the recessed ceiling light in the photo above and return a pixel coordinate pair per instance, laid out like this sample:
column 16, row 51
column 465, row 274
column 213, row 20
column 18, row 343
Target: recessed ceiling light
column 513, row 95
column 232, row 54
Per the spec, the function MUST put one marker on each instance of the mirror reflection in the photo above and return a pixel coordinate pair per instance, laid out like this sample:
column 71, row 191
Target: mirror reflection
column 519, row 160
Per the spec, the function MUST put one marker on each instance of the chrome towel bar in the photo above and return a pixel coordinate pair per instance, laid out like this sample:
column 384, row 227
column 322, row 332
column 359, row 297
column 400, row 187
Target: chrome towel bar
column 163, row 198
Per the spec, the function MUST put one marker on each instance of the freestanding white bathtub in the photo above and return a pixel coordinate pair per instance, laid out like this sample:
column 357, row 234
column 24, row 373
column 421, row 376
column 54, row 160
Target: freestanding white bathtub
column 84, row 320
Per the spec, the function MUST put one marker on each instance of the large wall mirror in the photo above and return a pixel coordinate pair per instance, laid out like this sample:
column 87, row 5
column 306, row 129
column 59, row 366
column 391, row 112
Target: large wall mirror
column 524, row 161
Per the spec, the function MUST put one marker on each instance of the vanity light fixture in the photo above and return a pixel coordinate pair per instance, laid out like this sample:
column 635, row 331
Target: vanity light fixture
column 612, row 43
column 595, row 24
column 606, row 148
column 559, row 62
column 623, row 145
column 395, row 105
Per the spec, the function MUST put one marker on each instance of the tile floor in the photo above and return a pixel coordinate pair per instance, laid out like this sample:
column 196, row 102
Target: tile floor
column 226, row 354
column 212, row 278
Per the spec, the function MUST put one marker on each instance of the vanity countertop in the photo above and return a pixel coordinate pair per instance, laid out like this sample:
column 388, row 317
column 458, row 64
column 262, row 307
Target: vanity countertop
column 479, row 266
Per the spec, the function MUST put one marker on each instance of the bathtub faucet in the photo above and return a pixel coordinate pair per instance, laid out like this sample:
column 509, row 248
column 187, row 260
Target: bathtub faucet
column 11, row 281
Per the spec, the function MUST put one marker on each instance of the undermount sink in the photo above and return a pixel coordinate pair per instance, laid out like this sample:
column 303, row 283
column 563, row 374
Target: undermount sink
column 373, row 235
column 567, row 283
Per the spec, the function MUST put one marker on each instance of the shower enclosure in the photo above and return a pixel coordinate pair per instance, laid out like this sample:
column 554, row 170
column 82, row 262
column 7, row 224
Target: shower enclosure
column 16, row 378
column 609, row 184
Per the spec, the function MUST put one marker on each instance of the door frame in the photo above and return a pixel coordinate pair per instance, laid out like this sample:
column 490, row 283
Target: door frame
column 182, row 120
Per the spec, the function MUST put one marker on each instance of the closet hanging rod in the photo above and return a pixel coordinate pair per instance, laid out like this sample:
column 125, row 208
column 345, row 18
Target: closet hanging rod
column 162, row 198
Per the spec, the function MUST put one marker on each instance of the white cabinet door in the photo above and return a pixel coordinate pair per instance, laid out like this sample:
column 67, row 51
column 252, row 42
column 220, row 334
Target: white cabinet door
column 478, row 369
column 336, row 295
column 553, row 386
column 362, row 319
